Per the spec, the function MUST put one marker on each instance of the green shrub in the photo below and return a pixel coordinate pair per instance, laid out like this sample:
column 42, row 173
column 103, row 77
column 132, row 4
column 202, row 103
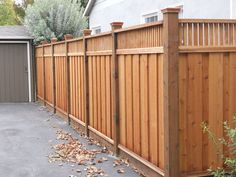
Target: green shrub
column 47, row 19
column 229, row 158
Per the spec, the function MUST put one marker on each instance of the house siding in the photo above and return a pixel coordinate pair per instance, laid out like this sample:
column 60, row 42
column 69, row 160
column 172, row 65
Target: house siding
column 130, row 12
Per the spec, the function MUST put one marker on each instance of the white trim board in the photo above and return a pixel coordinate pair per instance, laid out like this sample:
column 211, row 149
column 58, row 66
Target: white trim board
column 28, row 62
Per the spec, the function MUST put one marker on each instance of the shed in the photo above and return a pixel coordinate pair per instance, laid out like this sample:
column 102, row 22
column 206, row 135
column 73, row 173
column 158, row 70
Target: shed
column 16, row 65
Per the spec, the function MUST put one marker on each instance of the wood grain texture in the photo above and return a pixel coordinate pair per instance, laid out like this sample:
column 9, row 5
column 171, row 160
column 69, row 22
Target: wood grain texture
column 206, row 81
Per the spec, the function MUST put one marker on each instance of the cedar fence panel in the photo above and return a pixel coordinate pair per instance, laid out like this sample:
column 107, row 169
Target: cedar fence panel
column 75, row 49
column 207, row 88
column 48, row 80
column 140, row 87
column 127, row 87
column 39, row 72
column 99, row 71
column 48, row 74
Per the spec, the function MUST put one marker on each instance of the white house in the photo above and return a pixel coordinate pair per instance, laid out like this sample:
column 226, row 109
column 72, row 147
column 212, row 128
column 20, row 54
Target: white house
column 132, row 12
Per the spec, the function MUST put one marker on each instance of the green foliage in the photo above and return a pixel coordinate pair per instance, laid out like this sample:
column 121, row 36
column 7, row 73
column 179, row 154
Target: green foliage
column 48, row 19
column 20, row 10
column 84, row 3
column 229, row 158
column 7, row 13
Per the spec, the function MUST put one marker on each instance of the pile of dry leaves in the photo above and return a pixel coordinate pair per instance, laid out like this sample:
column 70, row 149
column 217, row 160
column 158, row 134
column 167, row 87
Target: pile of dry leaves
column 73, row 151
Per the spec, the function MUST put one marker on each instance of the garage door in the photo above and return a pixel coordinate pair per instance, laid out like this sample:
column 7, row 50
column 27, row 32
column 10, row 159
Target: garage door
column 13, row 73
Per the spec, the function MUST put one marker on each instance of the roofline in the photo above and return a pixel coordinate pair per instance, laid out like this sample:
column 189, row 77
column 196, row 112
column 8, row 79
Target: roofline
column 89, row 8
column 15, row 37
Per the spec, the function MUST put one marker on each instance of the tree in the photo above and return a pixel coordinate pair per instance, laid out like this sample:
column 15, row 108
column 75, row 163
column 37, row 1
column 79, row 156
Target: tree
column 20, row 10
column 48, row 19
column 7, row 13
column 84, row 3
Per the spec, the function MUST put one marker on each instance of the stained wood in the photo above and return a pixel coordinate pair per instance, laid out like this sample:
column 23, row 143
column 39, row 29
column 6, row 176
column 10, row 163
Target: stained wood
column 122, row 93
column 215, row 101
column 129, row 101
column 194, row 116
column 171, row 92
column 161, row 110
column 108, row 97
column 99, row 97
column 144, row 106
column 147, row 86
column 153, row 108
column 95, row 113
column 103, row 95
column 136, row 104
column 91, row 104
column 183, row 90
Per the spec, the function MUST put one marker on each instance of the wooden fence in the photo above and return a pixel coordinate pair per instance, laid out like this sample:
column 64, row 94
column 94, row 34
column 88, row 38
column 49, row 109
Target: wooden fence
column 146, row 89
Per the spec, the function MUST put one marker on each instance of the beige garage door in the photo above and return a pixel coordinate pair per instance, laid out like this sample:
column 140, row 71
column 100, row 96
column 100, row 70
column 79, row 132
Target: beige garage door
column 13, row 73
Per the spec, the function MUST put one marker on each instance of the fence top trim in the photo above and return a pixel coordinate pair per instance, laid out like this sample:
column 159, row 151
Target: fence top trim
column 207, row 21
column 139, row 26
column 98, row 35
column 59, row 42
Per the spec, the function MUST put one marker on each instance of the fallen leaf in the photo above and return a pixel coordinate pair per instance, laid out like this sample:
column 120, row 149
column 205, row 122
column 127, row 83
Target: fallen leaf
column 121, row 170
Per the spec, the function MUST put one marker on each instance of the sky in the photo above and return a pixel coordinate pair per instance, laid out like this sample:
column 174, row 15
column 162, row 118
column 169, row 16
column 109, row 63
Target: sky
column 18, row 1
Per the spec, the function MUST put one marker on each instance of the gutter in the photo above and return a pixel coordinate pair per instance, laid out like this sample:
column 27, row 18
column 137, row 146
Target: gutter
column 89, row 8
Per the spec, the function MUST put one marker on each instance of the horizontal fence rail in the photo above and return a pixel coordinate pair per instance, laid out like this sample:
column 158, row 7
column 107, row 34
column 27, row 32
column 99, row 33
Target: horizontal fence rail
column 145, row 90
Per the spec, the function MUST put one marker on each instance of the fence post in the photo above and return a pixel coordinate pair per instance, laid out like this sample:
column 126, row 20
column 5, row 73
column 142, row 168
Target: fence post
column 68, row 80
column 86, row 32
column 44, row 85
column 171, row 91
column 53, row 76
column 115, row 86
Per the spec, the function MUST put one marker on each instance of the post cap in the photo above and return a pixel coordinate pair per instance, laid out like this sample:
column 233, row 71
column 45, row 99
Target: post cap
column 171, row 10
column 44, row 42
column 117, row 23
column 68, row 36
column 87, row 32
column 53, row 40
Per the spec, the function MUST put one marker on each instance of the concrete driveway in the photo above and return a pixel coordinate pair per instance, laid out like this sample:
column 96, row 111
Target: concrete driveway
column 27, row 134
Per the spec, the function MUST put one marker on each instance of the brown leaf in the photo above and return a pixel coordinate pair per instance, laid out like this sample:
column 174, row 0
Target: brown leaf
column 121, row 170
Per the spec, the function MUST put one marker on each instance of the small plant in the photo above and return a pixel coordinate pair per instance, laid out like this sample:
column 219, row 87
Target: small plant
column 229, row 169
column 46, row 19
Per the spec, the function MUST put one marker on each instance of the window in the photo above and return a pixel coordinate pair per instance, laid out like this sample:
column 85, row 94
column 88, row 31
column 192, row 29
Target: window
column 152, row 17
column 97, row 30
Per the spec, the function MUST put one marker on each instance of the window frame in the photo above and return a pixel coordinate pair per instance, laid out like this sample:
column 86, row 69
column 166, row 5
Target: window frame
column 99, row 27
column 149, row 15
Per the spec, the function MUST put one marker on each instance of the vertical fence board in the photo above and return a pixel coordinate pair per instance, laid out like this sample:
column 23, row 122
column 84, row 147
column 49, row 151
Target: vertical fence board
column 99, row 106
column 205, row 109
column 195, row 110
column 91, row 103
column 215, row 102
column 129, row 103
column 108, row 96
column 161, row 110
column 122, row 102
column 153, row 109
column 183, row 90
column 144, row 106
column 136, row 104
column 95, row 93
